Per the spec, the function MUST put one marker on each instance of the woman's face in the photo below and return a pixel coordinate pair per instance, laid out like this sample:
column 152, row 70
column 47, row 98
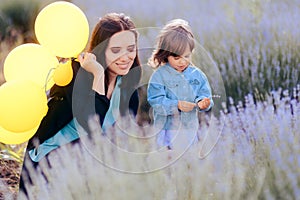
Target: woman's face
column 120, row 52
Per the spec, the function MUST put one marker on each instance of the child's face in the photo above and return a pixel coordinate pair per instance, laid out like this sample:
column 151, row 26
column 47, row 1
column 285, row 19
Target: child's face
column 180, row 63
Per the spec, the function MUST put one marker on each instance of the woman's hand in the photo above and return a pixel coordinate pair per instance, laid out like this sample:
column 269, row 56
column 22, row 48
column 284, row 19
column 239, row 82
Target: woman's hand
column 186, row 106
column 204, row 103
column 89, row 63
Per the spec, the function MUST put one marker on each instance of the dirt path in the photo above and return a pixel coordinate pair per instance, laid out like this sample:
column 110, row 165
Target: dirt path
column 9, row 177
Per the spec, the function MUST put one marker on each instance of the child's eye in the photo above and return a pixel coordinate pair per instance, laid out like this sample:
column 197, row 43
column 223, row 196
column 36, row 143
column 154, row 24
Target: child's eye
column 176, row 58
column 115, row 49
column 131, row 48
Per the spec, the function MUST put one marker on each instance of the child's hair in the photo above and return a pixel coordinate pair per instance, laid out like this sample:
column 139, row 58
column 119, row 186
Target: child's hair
column 173, row 40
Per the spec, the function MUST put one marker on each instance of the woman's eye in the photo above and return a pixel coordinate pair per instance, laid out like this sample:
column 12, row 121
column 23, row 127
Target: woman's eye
column 115, row 49
column 131, row 48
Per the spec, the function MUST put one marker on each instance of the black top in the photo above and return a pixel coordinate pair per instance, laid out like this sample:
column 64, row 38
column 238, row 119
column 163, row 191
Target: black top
column 77, row 99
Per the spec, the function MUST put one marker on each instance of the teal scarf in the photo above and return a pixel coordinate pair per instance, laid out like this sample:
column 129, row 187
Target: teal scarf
column 113, row 110
column 66, row 135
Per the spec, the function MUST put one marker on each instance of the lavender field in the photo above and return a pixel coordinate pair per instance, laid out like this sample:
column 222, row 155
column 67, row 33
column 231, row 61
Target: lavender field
column 256, row 157
column 249, row 145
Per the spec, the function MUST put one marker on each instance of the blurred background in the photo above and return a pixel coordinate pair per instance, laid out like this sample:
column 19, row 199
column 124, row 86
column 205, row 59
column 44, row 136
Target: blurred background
column 255, row 44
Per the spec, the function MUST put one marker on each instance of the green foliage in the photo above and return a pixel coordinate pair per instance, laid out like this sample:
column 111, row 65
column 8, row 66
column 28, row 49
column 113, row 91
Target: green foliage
column 3, row 26
column 15, row 152
column 19, row 15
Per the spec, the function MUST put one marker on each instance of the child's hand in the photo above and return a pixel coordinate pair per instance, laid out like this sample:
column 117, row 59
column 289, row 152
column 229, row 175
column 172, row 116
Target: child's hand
column 204, row 103
column 186, row 106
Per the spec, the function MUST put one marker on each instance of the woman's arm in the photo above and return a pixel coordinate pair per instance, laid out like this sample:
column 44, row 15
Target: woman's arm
column 86, row 101
column 77, row 99
column 89, row 63
column 59, row 111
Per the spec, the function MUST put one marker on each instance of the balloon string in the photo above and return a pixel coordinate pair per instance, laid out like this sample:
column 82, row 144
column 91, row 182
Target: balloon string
column 48, row 78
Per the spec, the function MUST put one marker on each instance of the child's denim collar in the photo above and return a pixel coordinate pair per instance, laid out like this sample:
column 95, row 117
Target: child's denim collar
column 174, row 71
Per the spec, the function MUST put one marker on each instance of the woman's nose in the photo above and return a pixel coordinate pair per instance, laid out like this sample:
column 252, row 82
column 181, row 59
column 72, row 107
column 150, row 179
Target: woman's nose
column 126, row 56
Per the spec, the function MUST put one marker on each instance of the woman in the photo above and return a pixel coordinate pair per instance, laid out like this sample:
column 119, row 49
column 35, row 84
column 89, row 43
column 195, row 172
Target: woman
column 111, row 53
column 105, row 80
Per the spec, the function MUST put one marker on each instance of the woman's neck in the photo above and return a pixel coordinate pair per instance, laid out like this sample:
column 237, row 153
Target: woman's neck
column 112, row 77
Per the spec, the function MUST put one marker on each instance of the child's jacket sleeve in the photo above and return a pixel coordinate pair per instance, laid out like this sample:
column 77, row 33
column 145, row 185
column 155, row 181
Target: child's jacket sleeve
column 204, row 91
column 157, row 97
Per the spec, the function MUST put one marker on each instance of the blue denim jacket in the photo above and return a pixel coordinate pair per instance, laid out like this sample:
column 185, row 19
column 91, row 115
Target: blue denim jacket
column 167, row 86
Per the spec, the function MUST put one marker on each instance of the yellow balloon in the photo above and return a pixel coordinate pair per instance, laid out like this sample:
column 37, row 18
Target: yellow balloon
column 63, row 74
column 30, row 62
column 8, row 137
column 23, row 104
column 63, row 28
